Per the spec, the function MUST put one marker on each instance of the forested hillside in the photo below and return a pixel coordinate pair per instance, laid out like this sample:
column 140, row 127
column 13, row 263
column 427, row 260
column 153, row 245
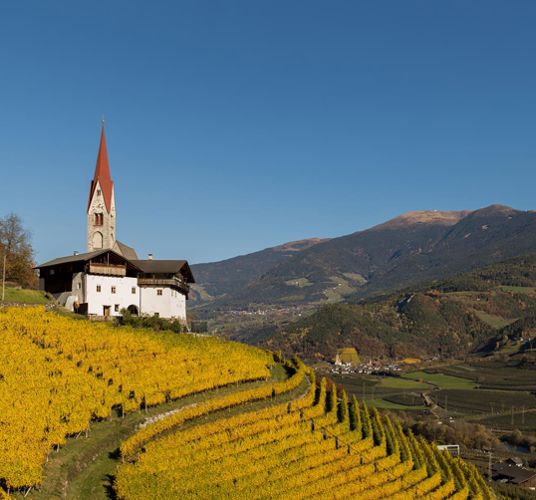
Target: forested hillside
column 448, row 318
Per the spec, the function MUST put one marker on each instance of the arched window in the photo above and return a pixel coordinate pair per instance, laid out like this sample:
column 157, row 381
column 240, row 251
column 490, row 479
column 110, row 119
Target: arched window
column 97, row 240
column 99, row 218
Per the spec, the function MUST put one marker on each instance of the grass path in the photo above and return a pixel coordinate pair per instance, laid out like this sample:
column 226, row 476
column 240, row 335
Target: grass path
column 85, row 467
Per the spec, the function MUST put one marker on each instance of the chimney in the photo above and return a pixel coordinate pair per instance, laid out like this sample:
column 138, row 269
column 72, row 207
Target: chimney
column 150, row 256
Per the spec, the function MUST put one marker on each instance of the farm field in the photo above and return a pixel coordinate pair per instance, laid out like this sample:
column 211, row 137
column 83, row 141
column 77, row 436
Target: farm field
column 478, row 401
column 441, row 380
column 406, row 399
column 494, row 375
column 524, row 421
column 394, row 393
column 486, row 392
column 399, row 402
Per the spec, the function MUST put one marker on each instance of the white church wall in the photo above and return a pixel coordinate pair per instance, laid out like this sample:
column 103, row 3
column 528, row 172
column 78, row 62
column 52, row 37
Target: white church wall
column 171, row 304
column 122, row 298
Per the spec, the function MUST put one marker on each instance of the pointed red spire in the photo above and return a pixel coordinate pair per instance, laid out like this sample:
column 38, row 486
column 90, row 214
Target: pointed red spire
column 102, row 174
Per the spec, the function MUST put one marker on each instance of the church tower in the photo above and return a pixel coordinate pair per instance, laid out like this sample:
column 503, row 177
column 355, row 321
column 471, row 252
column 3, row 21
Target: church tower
column 101, row 204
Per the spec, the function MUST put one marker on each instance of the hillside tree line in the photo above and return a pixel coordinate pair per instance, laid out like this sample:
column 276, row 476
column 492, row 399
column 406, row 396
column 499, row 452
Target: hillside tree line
column 15, row 245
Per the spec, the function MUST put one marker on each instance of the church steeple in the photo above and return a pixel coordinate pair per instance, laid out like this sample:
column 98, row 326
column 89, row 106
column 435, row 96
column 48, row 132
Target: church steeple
column 102, row 173
column 101, row 203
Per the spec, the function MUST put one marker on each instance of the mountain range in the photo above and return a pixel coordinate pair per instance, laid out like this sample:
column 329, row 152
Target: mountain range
column 405, row 251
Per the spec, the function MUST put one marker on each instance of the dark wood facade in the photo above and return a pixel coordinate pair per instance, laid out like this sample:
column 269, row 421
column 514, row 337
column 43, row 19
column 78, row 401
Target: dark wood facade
column 56, row 276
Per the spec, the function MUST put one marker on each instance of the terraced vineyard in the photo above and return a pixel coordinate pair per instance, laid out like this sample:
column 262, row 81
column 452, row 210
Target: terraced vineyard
column 317, row 446
column 58, row 374
column 248, row 435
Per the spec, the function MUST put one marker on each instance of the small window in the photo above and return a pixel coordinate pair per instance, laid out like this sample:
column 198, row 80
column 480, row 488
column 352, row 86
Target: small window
column 98, row 288
column 113, row 289
column 98, row 192
column 79, row 286
column 116, row 308
column 159, row 292
column 51, row 272
column 133, row 290
column 99, row 218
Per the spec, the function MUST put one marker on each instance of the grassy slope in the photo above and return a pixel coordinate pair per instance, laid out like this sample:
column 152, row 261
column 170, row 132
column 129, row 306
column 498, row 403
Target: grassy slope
column 24, row 296
column 85, row 467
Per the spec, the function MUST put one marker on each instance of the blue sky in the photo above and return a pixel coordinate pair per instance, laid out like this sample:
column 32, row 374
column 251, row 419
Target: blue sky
column 237, row 125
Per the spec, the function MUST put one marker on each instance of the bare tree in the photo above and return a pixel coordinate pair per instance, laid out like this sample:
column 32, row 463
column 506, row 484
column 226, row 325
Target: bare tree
column 15, row 243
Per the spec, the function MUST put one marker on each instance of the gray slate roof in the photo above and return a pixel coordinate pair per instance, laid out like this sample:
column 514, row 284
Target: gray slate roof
column 81, row 257
column 165, row 267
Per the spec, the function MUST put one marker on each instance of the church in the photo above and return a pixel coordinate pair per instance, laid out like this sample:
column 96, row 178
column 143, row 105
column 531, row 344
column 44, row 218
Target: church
column 110, row 277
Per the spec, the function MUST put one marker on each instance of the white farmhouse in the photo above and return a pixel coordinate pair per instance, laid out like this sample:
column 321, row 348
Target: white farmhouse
column 110, row 277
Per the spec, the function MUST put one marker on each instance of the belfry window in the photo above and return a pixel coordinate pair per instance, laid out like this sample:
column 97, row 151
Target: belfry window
column 99, row 218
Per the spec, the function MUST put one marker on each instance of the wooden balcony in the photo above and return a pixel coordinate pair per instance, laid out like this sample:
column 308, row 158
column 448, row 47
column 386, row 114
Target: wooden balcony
column 171, row 281
column 108, row 269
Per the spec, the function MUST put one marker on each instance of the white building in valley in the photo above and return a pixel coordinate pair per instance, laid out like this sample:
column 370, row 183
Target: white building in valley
column 110, row 277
